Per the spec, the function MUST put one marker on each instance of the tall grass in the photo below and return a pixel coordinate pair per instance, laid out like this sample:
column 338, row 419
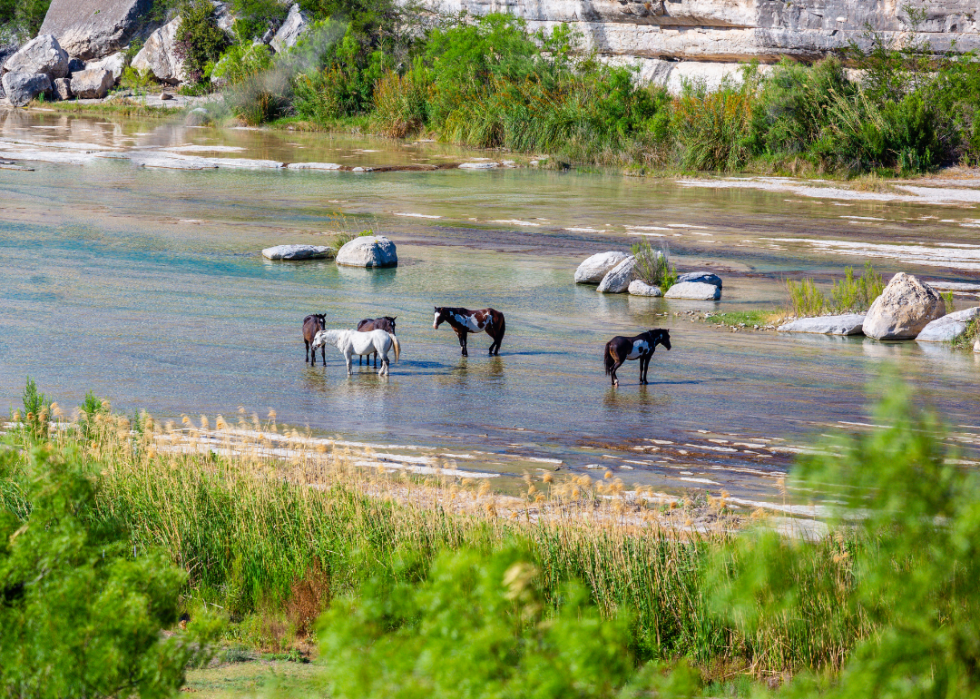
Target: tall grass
column 653, row 266
column 848, row 295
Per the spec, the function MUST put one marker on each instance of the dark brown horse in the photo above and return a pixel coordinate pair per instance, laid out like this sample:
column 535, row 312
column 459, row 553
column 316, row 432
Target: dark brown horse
column 641, row 347
column 464, row 321
column 386, row 323
column 313, row 324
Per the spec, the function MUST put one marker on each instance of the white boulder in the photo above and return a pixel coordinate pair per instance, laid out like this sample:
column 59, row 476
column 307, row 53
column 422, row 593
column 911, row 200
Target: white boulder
column 368, row 251
column 291, row 30
column 41, row 55
column 21, row 87
column 904, row 308
column 619, row 278
column 949, row 327
column 89, row 29
column 115, row 64
column 92, row 84
column 849, row 324
column 596, row 267
column 159, row 55
column 694, row 291
column 297, row 252
column 638, row 287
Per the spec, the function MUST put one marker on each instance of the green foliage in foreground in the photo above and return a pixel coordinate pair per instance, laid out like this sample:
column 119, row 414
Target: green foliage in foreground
column 848, row 295
column 80, row 615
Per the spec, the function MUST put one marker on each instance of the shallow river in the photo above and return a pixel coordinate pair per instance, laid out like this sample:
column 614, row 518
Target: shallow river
column 146, row 286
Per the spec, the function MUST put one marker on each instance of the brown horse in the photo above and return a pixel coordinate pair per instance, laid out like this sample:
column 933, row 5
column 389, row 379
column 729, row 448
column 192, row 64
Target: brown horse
column 464, row 321
column 313, row 324
column 641, row 347
column 386, row 323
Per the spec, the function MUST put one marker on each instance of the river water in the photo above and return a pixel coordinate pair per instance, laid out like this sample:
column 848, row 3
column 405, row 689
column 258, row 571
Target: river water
column 146, row 286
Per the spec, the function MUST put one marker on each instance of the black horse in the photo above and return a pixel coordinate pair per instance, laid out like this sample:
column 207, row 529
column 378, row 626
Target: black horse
column 386, row 323
column 641, row 347
column 312, row 324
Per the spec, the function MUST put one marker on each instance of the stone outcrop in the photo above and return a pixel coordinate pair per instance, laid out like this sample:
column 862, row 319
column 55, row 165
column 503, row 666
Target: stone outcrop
column 92, row 84
column 159, row 55
column 89, row 29
column 20, row 88
column 41, row 55
column 673, row 39
column 849, row 324
column 904, row 308
column 62, row 88
column 639, row 287
column 619, row 278
column 297, row 252
column 694, row 291
column 115, row 64
column 291, row 30
column 949, row 327
column 368, row 251
column 594, row 268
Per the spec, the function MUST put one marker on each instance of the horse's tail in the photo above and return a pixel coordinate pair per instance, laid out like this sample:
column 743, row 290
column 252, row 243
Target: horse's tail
column 608, row 359
column 398, row 347
column 503, row 328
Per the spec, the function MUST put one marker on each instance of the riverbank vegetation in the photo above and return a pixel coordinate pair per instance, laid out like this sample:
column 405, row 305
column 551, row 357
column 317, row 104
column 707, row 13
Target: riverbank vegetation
column 430, row 588
column 489, row 82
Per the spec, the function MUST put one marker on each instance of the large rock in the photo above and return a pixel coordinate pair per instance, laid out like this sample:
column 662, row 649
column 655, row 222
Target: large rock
column 297, row 252
column 62, row 88
column 115, row 64
column 595, row 268
column 291, row 30
column 905, row 307
column 21, row 88
column 639, row 287
column 5, row 53
column 700, row 278
column 40, row 55
column 159, row 55
column 90, row 29
column 849, row 324
column 694, row 291
column 949, row 327
column 368, row 251
column 92, row 84
column 619, row 278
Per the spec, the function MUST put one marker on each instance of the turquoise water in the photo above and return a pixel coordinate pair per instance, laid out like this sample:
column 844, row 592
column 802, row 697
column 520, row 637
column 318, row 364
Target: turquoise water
column 147, row 288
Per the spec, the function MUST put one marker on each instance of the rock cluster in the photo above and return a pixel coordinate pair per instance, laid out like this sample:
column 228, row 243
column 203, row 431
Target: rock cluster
column 594, row 268
column 619, row 278
column 949, row 327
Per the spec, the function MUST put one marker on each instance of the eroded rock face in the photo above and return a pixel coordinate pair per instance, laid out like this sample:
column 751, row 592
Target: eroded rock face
column 291, row 30
column 368, row 251
column 92, row 84
column 159, row 55
column 41, row 55
column 672, row 39
column 619, row 278
column 90, row 29
column 115, row 64
column 949, row 327
column 849, row 324
column 904, row 308
column 596, row 267
column 20, row 88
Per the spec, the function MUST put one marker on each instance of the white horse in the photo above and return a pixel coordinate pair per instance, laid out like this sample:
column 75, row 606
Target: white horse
column 352, row 342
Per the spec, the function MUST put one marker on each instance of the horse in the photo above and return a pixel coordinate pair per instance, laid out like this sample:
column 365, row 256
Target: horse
column 464, row 321
column 352, row 342
column 641, row 347
column 386, row 323
column 313, row 324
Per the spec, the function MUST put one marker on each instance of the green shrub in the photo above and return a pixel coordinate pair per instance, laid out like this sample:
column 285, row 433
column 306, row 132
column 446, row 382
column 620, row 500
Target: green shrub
column 401, row 103
column 653, row 266
column 713, row 127
column 259, row 97
column 253, row 18
column 80, row 615
column 37, row 409
column 850, row 294
column 242, row 61
column 806, row 299
column 200, row 41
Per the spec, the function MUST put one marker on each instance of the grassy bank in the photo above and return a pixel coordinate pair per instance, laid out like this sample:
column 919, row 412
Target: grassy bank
column 491, row 83
column 595, row 598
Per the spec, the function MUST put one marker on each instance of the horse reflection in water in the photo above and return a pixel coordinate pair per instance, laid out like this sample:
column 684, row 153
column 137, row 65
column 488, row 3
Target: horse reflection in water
column 351, row 342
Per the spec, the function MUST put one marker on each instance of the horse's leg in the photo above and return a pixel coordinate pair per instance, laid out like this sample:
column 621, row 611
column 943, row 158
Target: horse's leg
column 615, row 379
column 348, row 355
column 643, row 369
column 462, row 341
column 375, row 359
column 323, row 355
column 307, row 359
column 492, row 344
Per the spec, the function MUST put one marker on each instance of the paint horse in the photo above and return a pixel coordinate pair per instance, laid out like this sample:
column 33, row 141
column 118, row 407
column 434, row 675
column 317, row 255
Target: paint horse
column 351, row 342
column 463, row 322
column 313, row 324
column 386, row 323
column 641, row 347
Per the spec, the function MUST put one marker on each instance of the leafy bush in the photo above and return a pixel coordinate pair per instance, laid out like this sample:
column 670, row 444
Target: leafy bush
column 653, row 266
column 850, row 294
column 200, row 41
column 137, row 80
column 401, row 105
column 805, row 298
column 253, row 18
column 37, row 409
column 80, row 615
column 242, row 61
column 714, row 126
